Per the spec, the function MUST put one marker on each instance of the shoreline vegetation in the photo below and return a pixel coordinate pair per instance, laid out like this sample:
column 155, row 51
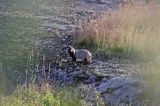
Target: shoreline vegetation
column 131, row 32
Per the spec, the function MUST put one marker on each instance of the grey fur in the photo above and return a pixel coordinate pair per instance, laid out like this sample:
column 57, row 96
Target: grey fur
column 81, row 55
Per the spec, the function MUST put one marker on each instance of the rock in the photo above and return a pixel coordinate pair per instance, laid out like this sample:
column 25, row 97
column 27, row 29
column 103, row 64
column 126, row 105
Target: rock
column 122, row 90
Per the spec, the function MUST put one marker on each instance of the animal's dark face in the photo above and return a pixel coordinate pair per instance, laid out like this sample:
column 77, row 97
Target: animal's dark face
column 71, row 52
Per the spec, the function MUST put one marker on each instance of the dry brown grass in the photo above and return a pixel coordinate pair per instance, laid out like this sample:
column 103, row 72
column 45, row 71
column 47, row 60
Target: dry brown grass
column 128, row 31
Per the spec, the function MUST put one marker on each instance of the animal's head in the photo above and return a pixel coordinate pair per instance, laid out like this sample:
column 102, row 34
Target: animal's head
column 71, row 51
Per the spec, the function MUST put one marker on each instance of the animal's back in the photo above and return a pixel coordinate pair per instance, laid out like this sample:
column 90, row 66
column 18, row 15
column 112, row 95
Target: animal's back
column 83, row 54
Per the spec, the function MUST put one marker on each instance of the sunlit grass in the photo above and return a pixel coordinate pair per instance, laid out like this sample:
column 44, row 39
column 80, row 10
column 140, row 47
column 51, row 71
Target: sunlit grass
column 42, row 96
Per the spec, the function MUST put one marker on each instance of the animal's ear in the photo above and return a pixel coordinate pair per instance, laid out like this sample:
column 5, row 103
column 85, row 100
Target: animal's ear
column 69, row 46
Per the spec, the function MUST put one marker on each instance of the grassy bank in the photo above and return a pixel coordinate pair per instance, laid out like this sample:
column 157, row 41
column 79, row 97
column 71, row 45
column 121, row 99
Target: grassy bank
column 19, row 27
column 15, row 46
column 129, row 32
column 21, row 24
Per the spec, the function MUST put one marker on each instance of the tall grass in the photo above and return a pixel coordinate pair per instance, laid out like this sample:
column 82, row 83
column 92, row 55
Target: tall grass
column 128, row 31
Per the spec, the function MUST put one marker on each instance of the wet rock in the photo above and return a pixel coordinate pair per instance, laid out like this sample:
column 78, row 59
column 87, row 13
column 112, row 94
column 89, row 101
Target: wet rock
column 117, row 91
